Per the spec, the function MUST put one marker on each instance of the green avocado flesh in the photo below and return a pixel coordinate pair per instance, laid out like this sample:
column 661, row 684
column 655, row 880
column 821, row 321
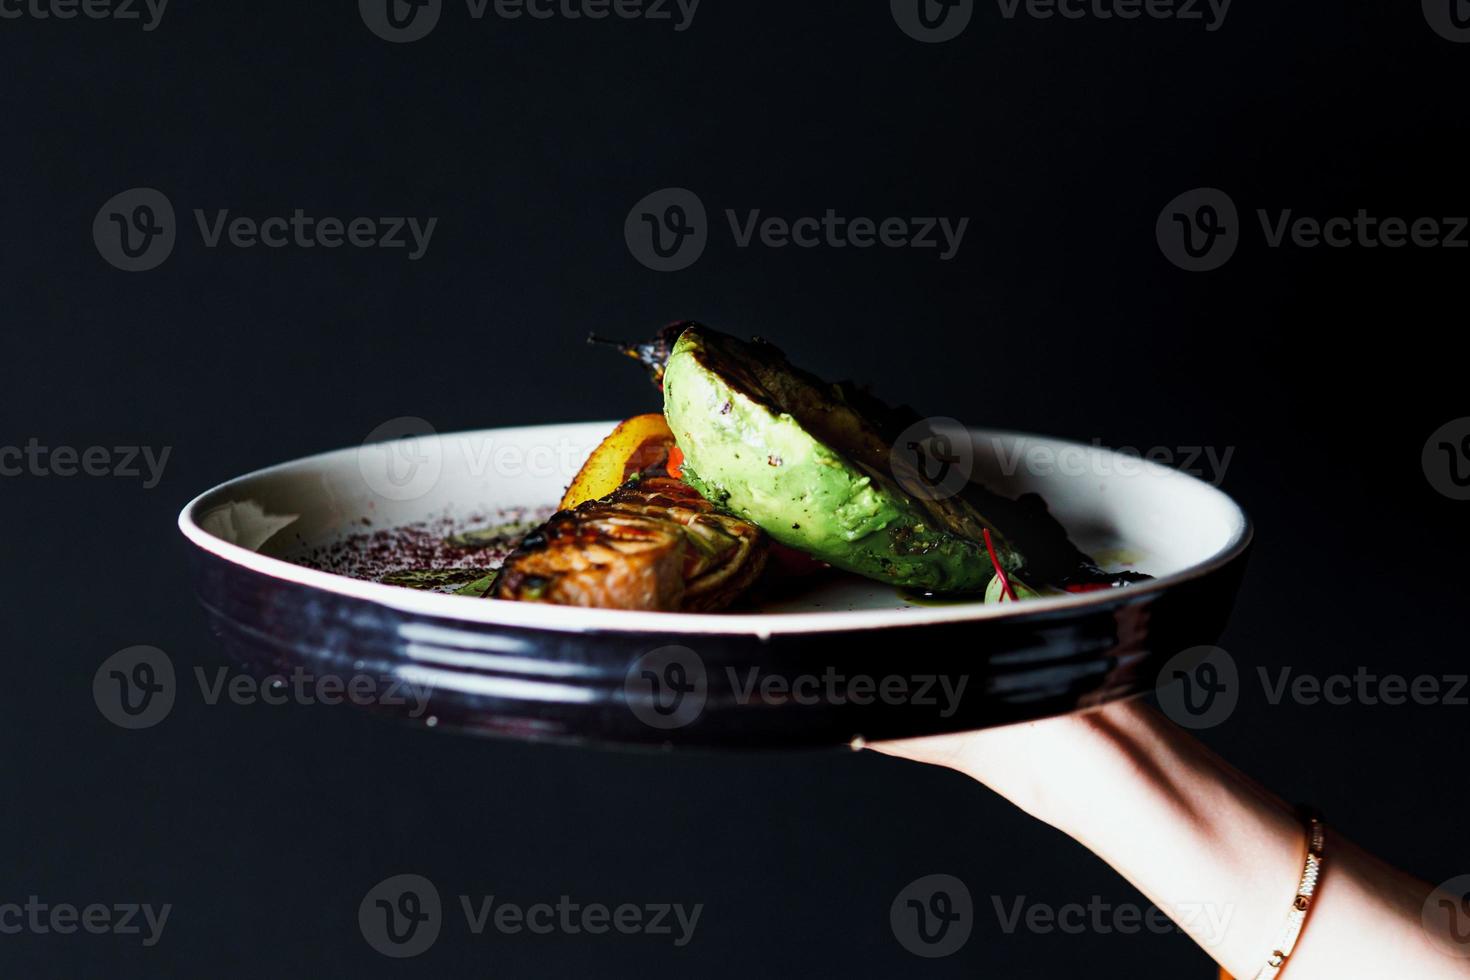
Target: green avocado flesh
column 789, row 453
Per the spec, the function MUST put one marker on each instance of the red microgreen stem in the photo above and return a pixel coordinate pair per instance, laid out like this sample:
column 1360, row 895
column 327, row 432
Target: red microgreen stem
column 1005, row 583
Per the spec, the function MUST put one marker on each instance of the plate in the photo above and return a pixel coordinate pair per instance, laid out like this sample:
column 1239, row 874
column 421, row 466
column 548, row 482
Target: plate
column 838, row 660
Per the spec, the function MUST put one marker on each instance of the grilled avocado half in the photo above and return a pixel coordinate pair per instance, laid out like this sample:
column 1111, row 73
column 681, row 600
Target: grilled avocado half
column 809, row 462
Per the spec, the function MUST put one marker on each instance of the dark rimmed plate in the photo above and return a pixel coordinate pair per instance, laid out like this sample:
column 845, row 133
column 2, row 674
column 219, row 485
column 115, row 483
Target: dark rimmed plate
column 844, row 659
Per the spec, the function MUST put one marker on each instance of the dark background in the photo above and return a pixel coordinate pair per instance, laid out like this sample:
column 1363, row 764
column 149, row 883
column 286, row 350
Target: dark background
column 1325, row 369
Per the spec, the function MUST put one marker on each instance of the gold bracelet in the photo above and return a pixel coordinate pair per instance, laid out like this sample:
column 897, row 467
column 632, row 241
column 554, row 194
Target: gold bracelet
column 1316, row 843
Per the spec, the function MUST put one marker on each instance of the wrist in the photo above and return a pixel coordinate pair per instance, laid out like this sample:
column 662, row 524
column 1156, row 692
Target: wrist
column 1165, row 812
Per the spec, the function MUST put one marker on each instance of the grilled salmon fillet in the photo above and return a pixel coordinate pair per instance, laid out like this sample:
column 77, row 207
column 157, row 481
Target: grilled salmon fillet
column 653, row 544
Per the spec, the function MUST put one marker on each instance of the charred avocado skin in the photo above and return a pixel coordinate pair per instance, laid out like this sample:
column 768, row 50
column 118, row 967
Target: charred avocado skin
column 788, row 452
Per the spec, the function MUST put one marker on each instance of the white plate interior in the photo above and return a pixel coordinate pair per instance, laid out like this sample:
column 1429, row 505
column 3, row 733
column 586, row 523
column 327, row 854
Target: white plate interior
column 1124, row 511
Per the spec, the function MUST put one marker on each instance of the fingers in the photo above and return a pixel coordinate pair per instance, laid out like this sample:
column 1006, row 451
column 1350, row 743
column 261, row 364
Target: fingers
column 951, row 751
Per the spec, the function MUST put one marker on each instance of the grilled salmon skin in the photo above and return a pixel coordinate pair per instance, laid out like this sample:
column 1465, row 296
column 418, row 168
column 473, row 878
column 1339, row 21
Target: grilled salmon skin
column 653, row 544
